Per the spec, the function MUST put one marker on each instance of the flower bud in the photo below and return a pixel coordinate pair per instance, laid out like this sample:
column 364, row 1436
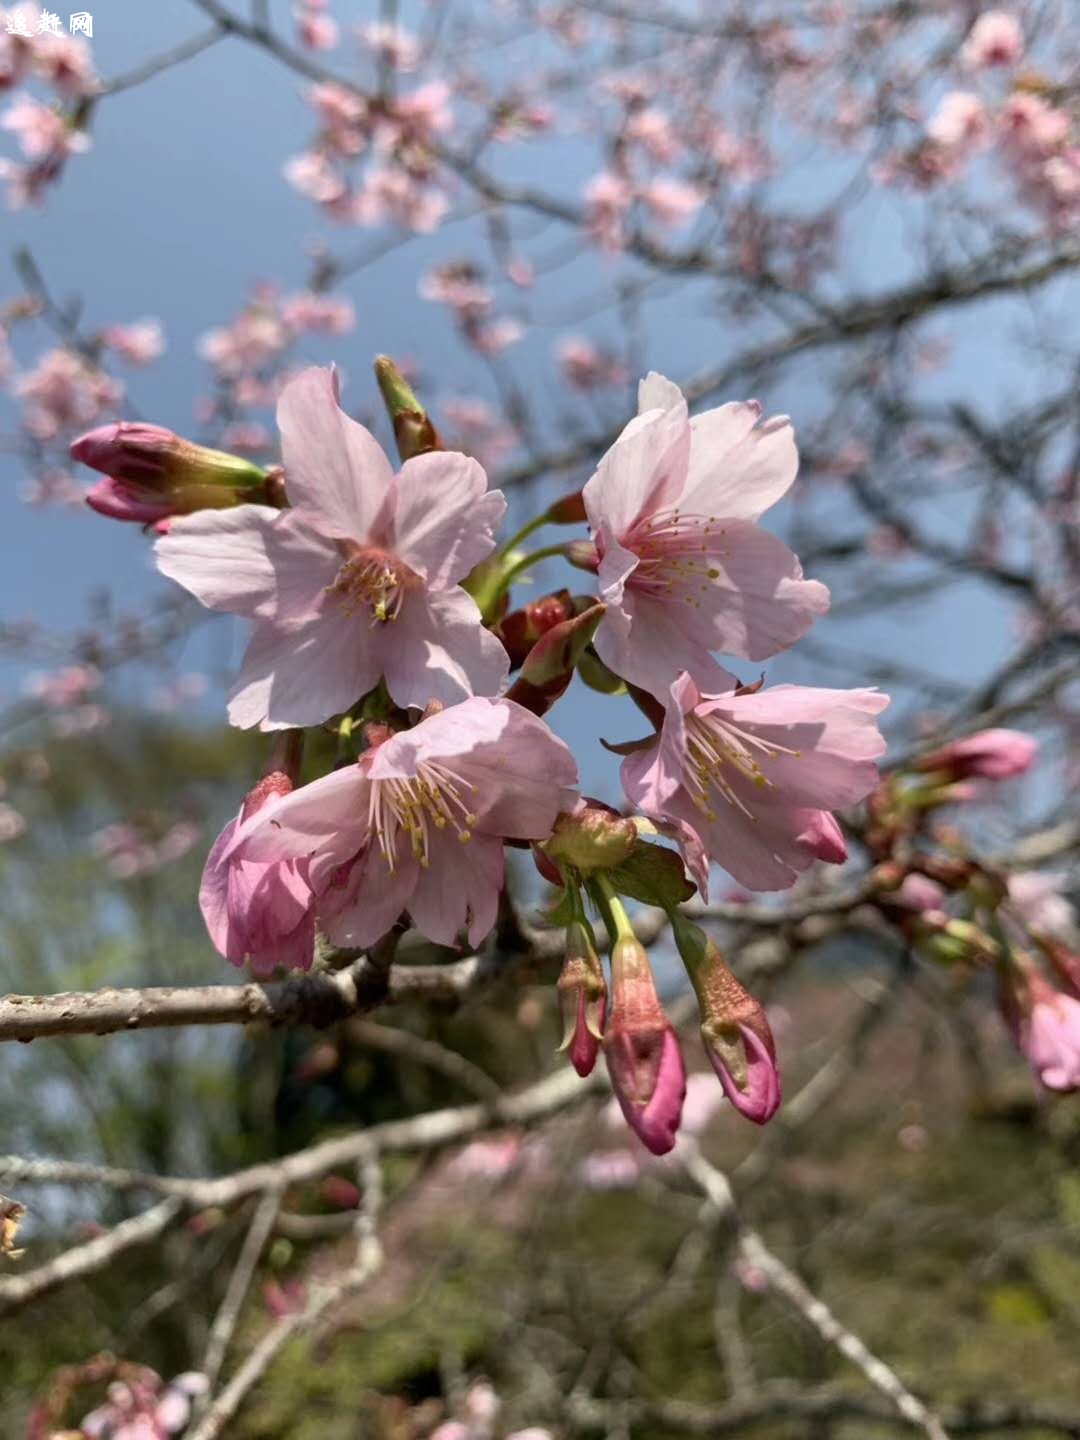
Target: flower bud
column 152, row 474
column 413, row 430
column 583, row 998
column 642, row 1051
column 1045, row 1025
column 823, row 837
column 521, row 629
column 549, row 665
column 591, row 837
column 734, row 1027
column 583, row 554
column 570, row 510
column 987, row 755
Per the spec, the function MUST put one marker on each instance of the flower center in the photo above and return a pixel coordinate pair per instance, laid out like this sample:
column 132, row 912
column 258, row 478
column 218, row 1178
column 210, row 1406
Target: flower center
column 376, row 580
column 717, row 753
column 428, row 801
column 675, row 552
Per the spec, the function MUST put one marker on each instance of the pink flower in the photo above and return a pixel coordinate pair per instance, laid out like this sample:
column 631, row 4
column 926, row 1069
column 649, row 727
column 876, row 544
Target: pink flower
column 63, row 392
column 642, row 1051
column 418, row 822
column 684, row 569
column 64, row 62
column 613, row 1169
column 994, row 39
column 608, row 198
column 987, row 755
column 138, row 344
column 260, row 912
column 1038, row 900
column 42, row 132
column 357, row 582
column 746, row 779
column 587, row 366
column 1048, row 1032
column 315, row 29
column 393, row 44
column 671, row 201
column 960, row 122
column 318, row 314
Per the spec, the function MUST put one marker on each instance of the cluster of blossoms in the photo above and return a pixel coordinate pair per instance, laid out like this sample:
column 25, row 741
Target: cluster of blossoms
column 373, row 160
column 380, row 603
column 46, row 133
column 138, row 1404
column 1034, row 137
column 958, row 910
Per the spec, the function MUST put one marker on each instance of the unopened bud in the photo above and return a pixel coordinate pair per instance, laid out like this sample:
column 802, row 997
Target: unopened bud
column 591, row 837
column 583, row 554
column 521, row 629
column 642, row 1051
column 549, row 665
column 734, row 1027
column 413, row 430
column 152, row 474
column 987, row 755
column 582, row 998
column 570, row 510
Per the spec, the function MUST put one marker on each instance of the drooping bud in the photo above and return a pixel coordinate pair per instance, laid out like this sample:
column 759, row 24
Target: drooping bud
column 591, row 836
column 1045, row 1024
column 734, row 1027
column 987, row 755
column 152, row 474
column 549, row 665
column 642, row 1050
column 582, row 998
column 413, row 430
column 521, row 629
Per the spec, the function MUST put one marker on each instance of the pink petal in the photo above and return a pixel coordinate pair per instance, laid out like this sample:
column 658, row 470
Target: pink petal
column 213, row 890
column 360, row 905
column 330, row 815
column 302, row 676
column 646, row 642
column 459, row 889
column 737, row 471
column 437, row 649
column 444, row 516
column 221, row 557
column 753, row 602
column 335, row 470
column 643, row 470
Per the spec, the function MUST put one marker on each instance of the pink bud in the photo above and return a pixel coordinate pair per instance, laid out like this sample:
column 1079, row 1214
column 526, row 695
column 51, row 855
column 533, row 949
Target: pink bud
column 823, row 837
column 642, row 1051
column 152, row 473
column 734, row 1027
column 987, row 755
column 583, row 998
column 1050, row 1036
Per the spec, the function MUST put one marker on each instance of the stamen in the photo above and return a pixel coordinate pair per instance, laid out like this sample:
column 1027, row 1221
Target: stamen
column 674, row 552
column 374, row 579
column 713, row 745
column 428, row 801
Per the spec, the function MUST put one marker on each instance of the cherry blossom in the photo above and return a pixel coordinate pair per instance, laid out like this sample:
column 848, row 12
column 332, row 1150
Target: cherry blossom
column 418, row 823
column 683, row 567
column 358, row 582
column 747, row 780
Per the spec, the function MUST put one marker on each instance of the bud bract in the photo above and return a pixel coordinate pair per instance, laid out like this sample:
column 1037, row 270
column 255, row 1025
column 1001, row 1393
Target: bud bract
column 591, row 837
